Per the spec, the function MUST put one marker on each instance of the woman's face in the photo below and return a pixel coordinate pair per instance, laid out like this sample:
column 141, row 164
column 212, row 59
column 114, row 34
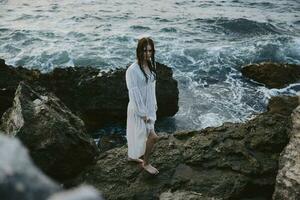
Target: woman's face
column 147, row 52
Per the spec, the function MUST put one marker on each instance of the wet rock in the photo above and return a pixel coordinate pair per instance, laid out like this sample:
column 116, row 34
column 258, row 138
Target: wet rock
column 273, row 75
column 10, row 78
column 233, row 161
column 288, row 177
column 19, row 178
column 184, row 195
column 110, row 141
column 56, row 138
column 97, row 97
column 101, row 98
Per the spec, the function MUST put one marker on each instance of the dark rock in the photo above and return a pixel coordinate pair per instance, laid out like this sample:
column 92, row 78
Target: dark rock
column 10, row 78
column 55, row 137
column 101, row 98
column 98, row 98
column 19, row 178
column 233, row 161
column 281, row 105
column 184, row 195
column 273, row 75
column 288, row 177
column 110, row 141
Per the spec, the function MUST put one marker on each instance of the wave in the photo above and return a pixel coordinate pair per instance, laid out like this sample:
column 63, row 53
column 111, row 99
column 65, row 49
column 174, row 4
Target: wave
column 169, row 29
column 20, row 35
column 4, row 29
column 277, row 49
column 262, row 5
column 162, row 19
column 240, row 26
column 27, row 17
column 138, row 27
column 245, row 26
column 297, row 22
column 3, row 1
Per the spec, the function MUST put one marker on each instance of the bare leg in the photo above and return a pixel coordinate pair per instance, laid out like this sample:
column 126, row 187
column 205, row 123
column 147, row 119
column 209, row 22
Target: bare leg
column 152, row 139
column 135, row 160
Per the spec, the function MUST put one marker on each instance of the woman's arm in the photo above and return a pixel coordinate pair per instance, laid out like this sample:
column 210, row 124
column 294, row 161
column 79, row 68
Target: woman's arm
column 134, row 93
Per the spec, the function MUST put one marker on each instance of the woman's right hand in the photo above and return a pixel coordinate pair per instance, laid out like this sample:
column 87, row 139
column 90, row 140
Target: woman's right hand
column 145, row 119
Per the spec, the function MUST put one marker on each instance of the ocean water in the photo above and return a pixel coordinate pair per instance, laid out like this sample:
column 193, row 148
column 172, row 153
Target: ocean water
column 205, row 42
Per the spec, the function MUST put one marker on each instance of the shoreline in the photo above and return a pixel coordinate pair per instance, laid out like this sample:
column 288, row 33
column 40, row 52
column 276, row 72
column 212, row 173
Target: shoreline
column 229, row 161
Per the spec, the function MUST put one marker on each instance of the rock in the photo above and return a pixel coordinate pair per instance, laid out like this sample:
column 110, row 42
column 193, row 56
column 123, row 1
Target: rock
column 9, row 81
column 233, row 161
column 101, row 98
column 184, row 195
column 80, row 193
column 97, row 97
column 273, row 75
column 110, row 141
column 19, row 178
column 288, row 177
column 56, row 138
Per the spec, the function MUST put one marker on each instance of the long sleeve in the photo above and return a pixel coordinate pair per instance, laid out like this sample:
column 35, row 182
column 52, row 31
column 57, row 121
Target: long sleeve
column 134, row 93
column 154, row 89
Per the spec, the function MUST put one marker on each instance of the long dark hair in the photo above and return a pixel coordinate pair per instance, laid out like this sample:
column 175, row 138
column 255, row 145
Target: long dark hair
column 142, row 45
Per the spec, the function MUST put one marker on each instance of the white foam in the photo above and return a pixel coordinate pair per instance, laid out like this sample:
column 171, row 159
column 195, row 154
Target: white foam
column 210, row 120
column 79, row 193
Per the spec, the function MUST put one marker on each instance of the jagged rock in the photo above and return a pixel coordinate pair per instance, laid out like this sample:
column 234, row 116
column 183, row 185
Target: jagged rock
column 109, row 141
column 288, row 177
column 184, row 195
column 19, row 178
column 55, row 137
column 233, row 161
column 9, row 81
column 97, row 97
column 80, row 193
column 273, row 75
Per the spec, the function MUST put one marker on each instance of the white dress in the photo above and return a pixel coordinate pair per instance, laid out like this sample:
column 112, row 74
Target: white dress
column 142, row 102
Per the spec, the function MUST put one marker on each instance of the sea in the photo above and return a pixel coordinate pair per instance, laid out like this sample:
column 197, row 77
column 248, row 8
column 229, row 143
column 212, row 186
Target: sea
column 205, row 42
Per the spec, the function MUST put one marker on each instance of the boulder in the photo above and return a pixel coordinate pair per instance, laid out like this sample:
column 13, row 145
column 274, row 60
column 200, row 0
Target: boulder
column 233, row 161
column 273, row 75
column 56, row 138
column 98, row 97
column 10, row 78
column 288, row 177
column 19, row 178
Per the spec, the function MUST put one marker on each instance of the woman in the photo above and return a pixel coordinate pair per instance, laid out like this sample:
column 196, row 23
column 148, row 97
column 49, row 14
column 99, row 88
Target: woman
column 142, row 106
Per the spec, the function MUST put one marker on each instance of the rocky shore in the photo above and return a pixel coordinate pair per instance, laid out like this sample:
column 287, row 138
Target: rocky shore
column 233, row 161
column 52, row 113
column 97, row 97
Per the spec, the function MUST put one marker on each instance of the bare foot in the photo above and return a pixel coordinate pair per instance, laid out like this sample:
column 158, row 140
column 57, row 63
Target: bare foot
column 149, row 168
column 135, row 160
